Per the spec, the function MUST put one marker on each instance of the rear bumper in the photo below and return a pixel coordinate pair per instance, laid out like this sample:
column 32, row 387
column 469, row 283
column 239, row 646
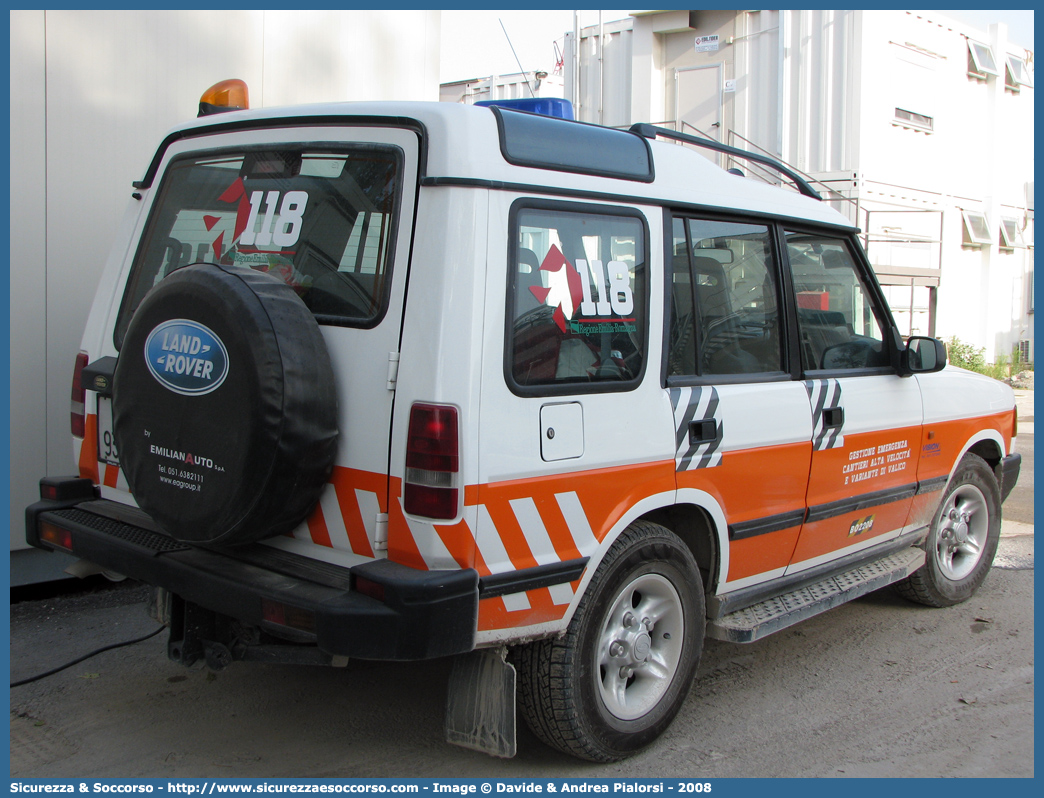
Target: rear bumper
column 1010, row 467
column 423, row 614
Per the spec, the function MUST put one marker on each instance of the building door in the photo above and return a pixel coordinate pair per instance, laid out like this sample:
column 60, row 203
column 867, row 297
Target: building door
column 698, row 100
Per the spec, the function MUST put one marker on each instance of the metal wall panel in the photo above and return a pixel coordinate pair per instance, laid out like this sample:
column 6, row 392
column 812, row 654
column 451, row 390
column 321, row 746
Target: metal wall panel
column 28, row 267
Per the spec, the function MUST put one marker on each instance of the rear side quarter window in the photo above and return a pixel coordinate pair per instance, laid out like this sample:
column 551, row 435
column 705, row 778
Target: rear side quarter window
column 577, row 304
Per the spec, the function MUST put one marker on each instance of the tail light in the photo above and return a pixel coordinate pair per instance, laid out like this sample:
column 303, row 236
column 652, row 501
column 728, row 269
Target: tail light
column 77, row 417
column 432, row 462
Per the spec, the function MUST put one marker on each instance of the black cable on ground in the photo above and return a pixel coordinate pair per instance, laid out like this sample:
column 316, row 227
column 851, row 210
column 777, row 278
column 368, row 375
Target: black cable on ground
column 85, row 656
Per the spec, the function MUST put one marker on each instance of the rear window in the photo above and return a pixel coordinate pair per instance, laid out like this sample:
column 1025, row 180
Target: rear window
column 322, row 220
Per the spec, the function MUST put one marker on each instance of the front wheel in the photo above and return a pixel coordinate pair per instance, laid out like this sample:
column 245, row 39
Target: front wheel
column 962, row 541
column 620, row 674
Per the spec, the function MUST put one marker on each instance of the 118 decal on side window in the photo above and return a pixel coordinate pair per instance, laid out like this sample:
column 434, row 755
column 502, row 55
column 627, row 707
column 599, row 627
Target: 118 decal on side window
column 620, row 298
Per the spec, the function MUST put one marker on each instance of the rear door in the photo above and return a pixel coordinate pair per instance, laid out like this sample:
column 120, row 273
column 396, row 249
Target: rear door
column 330, row 212
column 866, row 419
column 574, row 435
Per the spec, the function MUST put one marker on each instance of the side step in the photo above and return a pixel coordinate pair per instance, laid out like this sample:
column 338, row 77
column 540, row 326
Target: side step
column 771, row 615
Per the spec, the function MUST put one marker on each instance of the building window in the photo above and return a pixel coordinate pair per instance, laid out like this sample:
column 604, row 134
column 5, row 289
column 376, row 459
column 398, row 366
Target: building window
column 1016, row 73
column 980, row 60
column 976, row 229
column 1009, row 233
column 914, row 120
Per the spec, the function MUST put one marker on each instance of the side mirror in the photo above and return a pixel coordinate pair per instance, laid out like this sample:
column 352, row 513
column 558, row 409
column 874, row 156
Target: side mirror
column 923, row 355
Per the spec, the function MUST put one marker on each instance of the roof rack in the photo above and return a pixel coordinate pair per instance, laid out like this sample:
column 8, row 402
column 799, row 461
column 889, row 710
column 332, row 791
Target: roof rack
column 652, row 131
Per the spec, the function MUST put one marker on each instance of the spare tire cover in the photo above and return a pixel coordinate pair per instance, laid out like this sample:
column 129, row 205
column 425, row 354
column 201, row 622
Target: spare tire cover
column 224, row 406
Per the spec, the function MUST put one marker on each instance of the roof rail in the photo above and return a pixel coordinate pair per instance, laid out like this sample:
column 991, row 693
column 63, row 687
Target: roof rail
column 651, row 132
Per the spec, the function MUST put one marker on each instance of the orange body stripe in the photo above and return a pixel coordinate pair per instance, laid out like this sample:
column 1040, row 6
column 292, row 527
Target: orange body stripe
column 923, row 509
column 345, row 482
column 752, row 484
column 606, row 494
column 494, row 615
column 348, row 479
column 317, row 527
column 831, row 534
column 836, row 475
column 756, row 555
column 88, row 462
column 557, row 529
column 511, row 534
column 939, row 453
column 755, row 483
column 460, row 543
column 402, row 548
column 112, row 474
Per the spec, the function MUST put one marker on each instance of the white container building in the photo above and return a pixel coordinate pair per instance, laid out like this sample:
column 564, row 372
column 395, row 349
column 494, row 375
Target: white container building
column 915, row 126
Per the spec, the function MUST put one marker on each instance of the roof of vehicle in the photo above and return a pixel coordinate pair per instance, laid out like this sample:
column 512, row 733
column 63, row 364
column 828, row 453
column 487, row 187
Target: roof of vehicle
column 464, row 143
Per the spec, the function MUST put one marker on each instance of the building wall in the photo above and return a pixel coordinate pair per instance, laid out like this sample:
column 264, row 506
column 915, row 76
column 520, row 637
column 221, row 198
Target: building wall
column 504, row 87
column 597, row 73
column 978, row 156
column 92, row 93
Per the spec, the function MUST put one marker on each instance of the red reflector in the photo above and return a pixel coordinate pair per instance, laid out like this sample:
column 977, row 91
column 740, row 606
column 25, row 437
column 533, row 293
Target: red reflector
column 59, row 538
column 77, row 419
column 1014, row 422
column 368, row 588
column 288, row 615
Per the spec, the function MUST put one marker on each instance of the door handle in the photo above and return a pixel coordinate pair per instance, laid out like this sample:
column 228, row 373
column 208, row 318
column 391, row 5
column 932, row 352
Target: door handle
column 703, row 430
column 833, row 417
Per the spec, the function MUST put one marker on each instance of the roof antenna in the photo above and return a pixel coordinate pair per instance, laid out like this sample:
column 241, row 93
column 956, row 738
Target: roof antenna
column 516, row 57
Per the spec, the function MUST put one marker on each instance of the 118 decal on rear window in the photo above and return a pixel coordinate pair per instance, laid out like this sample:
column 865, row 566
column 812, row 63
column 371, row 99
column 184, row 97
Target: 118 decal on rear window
column 291, row 214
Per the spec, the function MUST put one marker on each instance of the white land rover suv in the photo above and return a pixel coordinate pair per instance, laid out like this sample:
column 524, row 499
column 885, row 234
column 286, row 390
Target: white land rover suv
column 401, row 381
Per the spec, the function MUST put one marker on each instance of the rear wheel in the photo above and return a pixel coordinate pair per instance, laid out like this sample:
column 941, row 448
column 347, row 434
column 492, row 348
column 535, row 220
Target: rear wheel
column 618, row 677
column 962, row 541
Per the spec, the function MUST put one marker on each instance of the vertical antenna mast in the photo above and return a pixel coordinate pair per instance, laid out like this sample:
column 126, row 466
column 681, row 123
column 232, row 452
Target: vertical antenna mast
column 516, row 56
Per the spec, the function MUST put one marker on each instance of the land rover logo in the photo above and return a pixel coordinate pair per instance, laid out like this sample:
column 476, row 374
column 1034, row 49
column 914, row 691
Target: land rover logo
column 186, row 357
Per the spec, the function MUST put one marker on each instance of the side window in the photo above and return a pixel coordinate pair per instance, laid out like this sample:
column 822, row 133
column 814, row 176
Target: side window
column 577, row 298
column 725, row 308
column 838, row 324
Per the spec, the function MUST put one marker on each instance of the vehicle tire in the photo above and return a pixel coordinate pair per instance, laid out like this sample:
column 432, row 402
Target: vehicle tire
column 224, row 406
column 962, row 541
column 608, row 688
